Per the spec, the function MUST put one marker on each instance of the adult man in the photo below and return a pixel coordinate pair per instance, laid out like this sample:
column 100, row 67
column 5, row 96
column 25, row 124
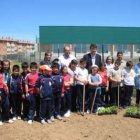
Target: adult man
column 92, row 58
column 120, row 58
column 47, row 59
column 66, row 58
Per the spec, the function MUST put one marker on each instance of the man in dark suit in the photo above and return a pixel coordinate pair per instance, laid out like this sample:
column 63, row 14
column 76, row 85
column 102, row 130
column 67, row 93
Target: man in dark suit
column 92, row 58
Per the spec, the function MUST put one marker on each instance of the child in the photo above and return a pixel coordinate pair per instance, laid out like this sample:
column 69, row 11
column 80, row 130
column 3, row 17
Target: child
column 137, row 82
column 30, row 90
column 15, row 92
column 105, row 83
column 129, row 83
column 25, row 71
column 94, row 80
column 66, row 91
column 4, row 99
column 116, row 77
column 57, row 85
column 82, row 80
column 44, row 87
column 6, row 70
column 73, row 71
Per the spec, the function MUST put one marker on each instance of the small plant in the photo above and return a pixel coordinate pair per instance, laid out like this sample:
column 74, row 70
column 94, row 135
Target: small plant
column 108, row 110
column 133, row 111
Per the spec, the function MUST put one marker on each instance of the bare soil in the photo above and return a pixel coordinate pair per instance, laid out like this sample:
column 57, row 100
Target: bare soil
column 77, row 127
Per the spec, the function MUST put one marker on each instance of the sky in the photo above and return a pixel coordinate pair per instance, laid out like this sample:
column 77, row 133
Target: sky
column 20, row 19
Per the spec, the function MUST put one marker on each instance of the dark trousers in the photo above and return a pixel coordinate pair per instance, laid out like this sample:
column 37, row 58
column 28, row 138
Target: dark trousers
column 15, row 101
column 37, row 105
column 73, row 98
column 45, row 108
column 26, row 105
column 114, row 96
column 98, row 101
column 56, row 103
column 66, row 101
column 32, row 107
column 79, row 89
column 128, row 91
column 104, row 95
column 137, row 96
column 4, row 108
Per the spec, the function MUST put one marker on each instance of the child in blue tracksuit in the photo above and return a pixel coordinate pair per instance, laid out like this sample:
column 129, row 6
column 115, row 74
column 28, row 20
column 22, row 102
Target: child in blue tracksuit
column 15, row 92
column 57, row 86
column 25, row 102
column 44, row 88
column 94, row 80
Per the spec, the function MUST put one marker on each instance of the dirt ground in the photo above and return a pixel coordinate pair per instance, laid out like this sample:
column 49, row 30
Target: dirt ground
column 77, row 127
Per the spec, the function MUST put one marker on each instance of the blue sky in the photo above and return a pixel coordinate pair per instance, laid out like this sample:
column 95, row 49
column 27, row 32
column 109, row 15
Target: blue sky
column 21, row 19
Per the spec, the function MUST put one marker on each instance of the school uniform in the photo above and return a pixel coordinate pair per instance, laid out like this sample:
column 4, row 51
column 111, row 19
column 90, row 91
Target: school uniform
column 137, row 83
column 82, row 75
column 30, row 82
column 98, row 103
column 104, row 95
column 44, row 83
column 24, row 101
column 15, row 94
column 66, row 95
column 56, row 89
column 4, row 103
column 117, row 75
column 129, row 83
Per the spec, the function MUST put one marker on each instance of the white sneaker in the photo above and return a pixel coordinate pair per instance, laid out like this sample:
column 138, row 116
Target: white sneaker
column 52, row 118
column 43, row 122
column 30, row 121
column 1, row 123
column 10, row 121
column 19, row 118
column 59, row 117
column 49, row 121
column 67, row 114
column 14, row 118
column 88, row 111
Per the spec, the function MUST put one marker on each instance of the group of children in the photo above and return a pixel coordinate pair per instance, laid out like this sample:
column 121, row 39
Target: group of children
column 50, row 92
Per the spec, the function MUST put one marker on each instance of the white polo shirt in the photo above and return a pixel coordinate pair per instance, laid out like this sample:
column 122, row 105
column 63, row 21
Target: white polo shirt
column 65, row 61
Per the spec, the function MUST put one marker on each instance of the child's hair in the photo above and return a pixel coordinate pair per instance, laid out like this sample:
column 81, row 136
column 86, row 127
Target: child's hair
column 110, row 57
column 92, row 67
column 74, row 61
column 1, row 63
column 129, row 64
column 33, row 65
column 6, row 60
column 102, row 64
column 82, row 60
column 63, row 69
column 15, row 67
column 118, row 62
column 55, row 65
column 48, row 52
column 56, row 60
column 24, row 64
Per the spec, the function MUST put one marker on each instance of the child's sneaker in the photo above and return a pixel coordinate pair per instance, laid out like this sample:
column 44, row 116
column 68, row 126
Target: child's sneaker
column 10, row 121
column 30, row 121
column 49, row 121
column 1, row 123
column 58, row 117
column 43, row 122
column 88, row 111
column 14, row 118
column 67, row 114
column 52, row 118
column 19, row 118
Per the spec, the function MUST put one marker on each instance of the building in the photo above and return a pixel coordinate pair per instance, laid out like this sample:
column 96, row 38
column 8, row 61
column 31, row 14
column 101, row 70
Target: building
column 9, row 46
column 109, row 40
